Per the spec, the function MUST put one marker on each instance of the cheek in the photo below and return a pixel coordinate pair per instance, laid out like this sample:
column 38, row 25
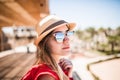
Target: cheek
column 54, row 46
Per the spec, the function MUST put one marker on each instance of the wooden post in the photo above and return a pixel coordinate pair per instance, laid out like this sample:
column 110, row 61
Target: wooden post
column 1, row 40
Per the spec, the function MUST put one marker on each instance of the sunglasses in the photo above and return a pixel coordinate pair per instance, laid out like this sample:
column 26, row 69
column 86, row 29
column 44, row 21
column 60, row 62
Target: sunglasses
column 60, row 36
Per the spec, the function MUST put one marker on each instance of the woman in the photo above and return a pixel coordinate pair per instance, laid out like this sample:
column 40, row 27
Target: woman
column 53, row 43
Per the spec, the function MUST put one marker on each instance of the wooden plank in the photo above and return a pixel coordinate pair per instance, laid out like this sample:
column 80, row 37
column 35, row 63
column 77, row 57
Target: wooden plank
column 5, row 66
column 9, row 60
column 14, row 64
column 24, row 70
column 18, row 68
column 2, row 74
column 5, row 57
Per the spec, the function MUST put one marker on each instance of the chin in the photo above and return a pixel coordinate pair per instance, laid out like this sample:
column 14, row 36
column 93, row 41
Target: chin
column 66, row 53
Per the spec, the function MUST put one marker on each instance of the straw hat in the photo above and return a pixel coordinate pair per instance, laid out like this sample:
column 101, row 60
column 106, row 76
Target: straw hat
column 48, row 24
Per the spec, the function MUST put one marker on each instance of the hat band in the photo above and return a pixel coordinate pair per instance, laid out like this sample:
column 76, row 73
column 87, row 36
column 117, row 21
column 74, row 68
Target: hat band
column 53, row 25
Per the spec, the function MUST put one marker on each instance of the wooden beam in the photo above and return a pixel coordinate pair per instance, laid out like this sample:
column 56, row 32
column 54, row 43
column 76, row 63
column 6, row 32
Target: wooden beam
column 22, row 12
column 7, row 13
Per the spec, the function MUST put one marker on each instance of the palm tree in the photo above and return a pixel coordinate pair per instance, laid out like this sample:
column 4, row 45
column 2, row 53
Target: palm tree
column 92, row 31
column 113, row 38
column 79, row 33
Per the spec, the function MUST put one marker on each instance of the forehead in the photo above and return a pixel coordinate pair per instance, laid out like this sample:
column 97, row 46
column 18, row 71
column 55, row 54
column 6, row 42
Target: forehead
column 61, row 28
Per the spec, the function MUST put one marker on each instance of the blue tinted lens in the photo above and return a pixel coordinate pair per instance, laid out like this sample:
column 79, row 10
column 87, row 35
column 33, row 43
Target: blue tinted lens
column 70, row 33
column 59, row 36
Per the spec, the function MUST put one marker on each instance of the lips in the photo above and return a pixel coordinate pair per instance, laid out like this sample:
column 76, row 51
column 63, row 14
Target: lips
column 65, row 47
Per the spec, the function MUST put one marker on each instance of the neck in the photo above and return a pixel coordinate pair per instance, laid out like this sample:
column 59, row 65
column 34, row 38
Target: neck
column 57, row 58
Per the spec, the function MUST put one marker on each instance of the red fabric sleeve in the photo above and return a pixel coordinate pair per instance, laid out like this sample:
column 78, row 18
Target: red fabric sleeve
column 71, row 78
column 47, row 73
column 39, row 70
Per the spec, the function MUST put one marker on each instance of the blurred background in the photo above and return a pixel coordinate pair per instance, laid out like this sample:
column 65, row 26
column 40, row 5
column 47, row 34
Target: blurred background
column 95, row 48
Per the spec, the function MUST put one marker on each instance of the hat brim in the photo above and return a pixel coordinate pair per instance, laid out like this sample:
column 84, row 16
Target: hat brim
column 71, row 26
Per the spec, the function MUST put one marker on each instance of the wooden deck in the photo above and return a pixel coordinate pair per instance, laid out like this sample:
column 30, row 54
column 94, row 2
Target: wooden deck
column 14, row 66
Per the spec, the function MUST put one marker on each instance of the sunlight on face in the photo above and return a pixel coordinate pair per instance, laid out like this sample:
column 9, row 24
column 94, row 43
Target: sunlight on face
column 57, row 48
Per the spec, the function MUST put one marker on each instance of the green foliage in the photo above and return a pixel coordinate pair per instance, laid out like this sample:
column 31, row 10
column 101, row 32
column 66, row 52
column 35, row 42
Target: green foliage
column 112, row 36
column 91, row 30
column 79, row 33
column 118, row 31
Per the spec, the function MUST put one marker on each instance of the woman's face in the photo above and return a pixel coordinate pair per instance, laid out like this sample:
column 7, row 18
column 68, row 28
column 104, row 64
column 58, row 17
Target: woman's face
column 59, row 48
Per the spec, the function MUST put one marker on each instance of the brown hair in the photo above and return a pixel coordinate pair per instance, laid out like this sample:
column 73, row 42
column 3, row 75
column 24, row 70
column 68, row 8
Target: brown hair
column 44, row 56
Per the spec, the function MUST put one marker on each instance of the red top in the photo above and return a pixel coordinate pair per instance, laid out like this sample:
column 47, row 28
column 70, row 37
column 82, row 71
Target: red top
column 39, row 70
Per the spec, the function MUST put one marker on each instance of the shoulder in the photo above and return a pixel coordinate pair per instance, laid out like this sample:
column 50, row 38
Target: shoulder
column 42, row 72
column 46, row 77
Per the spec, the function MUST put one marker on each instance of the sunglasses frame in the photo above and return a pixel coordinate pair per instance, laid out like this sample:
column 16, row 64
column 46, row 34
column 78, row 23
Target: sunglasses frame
column 60, row 36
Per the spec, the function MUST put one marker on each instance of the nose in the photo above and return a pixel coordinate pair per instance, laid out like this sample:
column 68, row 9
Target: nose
column 66, row 39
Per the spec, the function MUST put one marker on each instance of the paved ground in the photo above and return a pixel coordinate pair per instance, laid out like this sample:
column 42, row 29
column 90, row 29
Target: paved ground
column 108, row 70
column 102, row 67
